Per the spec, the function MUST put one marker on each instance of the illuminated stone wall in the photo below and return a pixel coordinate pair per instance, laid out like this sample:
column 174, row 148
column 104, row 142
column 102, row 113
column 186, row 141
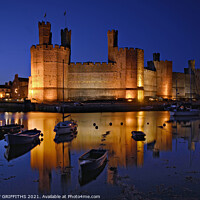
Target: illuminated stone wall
column 158, row 78
column 179, row 83
column 150, row 87
column 185, row 84
column 121, row 77
column 164, row 78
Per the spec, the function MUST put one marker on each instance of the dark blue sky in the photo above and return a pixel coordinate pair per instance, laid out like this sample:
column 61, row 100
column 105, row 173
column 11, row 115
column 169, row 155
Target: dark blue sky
column 171, row 27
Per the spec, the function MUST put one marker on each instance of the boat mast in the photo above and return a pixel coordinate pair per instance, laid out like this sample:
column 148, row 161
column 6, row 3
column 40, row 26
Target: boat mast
column 190, row 84
column 176, row 90
column 63, row 91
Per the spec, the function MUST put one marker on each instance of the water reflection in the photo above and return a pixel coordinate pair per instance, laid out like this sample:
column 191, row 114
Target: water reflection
column 14, row 151
column 123, row 151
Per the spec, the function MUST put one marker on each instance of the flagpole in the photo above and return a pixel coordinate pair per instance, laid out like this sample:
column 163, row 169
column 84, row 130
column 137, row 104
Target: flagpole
column 45, row 16
column 65, row 19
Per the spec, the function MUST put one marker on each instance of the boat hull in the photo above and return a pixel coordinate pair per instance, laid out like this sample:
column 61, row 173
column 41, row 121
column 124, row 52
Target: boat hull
column 64, row 130
column 66, row 127
column 185, row 113
column 21, row 138
column 92, row 164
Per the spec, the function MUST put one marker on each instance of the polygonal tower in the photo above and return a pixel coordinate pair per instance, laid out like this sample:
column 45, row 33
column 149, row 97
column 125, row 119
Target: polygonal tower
column 48, row 65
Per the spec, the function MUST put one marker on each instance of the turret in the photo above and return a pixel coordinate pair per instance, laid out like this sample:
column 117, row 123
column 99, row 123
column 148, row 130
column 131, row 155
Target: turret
column 156, row 56
column 45, row 34
column 112, row 42
column 66, row 38
column 191, row 65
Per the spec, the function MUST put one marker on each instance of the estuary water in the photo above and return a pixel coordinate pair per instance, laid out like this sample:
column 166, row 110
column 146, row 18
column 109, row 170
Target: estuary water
column 164, row 166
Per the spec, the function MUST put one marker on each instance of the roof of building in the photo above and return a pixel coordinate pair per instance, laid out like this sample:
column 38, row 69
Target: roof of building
column 5, row 86
column 23, row 79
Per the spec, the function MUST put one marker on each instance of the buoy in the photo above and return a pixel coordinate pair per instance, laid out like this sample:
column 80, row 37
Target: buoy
column 94, row 124
column 110, row 123
column 96, row 127
column 164, row 124
column 122, row 123
column 41, row 139
column 147, row 123
column 41, row 134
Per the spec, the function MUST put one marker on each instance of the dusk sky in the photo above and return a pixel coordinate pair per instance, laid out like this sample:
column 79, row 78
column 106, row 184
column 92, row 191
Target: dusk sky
column 170, row 27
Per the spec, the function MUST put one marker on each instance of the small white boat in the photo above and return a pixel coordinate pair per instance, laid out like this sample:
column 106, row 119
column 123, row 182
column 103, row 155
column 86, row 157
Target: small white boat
column 92, row 159
column 23, row 137
column 66, row 127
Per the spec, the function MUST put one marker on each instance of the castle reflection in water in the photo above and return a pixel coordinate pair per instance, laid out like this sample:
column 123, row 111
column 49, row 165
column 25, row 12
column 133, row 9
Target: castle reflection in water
column 124, row 152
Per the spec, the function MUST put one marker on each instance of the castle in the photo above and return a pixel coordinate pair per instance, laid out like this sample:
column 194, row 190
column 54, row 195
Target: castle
column 124, row 76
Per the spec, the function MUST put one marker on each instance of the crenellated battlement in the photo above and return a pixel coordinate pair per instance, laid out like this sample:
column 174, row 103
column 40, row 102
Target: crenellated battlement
column 112, row 31
column 49, row 47
column 129, row 50
column 91, row 64
column 47, row 24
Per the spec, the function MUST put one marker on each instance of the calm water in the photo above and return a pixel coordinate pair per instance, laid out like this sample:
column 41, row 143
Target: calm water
column 164, row 166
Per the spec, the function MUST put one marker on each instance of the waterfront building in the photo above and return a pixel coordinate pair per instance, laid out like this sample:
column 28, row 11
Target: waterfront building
column 122, row 77
column 19, row 88
column 5, row 91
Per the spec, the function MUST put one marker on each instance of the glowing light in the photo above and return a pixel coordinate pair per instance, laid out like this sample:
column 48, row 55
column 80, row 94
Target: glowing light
column 140, row 95
column 129, row 96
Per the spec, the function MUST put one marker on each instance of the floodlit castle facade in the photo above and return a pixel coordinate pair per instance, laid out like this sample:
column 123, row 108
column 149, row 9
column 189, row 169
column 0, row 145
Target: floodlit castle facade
column 123, row 76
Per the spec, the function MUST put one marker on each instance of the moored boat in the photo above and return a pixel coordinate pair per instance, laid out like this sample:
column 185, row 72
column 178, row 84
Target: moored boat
column 10, row 128
column 23, row 137
column 66, row 127
column 92, row 159
column 190, row 112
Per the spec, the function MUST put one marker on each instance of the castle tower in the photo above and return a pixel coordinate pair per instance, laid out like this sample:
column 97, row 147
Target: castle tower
column 66, row 38
column 45, row 34
column 46, row 81
column 112, row 45
column 191, row 65
column 156, row 56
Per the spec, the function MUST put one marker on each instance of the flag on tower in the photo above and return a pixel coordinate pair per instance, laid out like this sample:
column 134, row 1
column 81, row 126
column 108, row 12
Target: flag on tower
column 45, row 15
column 65, row 13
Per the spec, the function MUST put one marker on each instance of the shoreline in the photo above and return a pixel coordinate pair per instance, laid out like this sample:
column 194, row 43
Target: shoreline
column 87, row 107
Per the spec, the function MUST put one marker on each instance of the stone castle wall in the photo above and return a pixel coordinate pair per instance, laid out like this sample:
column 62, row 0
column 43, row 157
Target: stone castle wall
column 150, row 83
column 186, row 85
column 164, row 78
column 46, row 80
column 121, row 77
